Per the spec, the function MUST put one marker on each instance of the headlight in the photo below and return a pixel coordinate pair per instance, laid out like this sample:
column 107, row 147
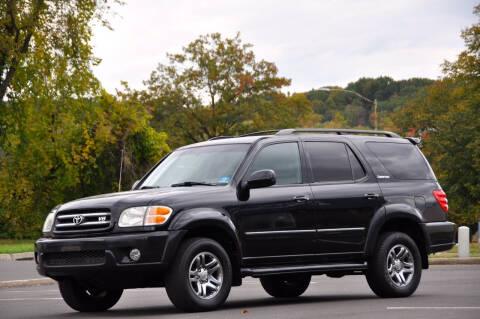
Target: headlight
column 48, row 224
column 144, row 216
column 133, row 216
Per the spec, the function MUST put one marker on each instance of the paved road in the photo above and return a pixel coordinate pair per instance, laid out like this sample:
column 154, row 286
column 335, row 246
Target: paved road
column 446, row 291
column 15, row 270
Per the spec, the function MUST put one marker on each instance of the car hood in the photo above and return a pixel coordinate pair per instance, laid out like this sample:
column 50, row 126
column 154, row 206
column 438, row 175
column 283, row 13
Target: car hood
column 119, row 201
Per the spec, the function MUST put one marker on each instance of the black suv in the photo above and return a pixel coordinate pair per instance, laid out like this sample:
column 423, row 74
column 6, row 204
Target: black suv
column 279, row 206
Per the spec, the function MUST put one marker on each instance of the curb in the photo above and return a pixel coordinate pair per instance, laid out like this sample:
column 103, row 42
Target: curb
column 454, row 261
column 26, row 283
column 19, row 256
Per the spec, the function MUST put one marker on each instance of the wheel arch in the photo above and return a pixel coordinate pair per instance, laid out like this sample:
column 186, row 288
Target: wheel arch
column 216, row 225
column 401, row 218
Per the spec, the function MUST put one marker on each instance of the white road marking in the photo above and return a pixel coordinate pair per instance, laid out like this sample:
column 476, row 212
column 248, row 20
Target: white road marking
column 431, row 308
column 24, row 299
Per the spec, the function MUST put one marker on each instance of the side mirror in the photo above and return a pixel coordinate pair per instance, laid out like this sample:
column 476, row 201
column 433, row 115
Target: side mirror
column 135, row 184
column 258, row 179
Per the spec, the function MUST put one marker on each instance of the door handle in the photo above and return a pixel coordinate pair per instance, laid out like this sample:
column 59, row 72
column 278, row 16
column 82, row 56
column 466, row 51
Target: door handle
column 371, row 196
column 301, row 198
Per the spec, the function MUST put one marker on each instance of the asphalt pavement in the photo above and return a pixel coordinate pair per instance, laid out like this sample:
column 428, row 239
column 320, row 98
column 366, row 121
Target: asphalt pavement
column 18, row 270
column 445, row 292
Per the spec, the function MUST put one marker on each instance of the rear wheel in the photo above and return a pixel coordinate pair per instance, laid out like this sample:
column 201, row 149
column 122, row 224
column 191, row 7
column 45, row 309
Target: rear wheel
column 87, row 299
column 396, row 268
column 200, row 276
column 285, row 286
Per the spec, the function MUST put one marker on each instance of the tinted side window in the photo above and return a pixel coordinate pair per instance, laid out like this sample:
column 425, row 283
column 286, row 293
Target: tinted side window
column 357, row 169
column 284, row 159
column 403, row 161
column 329, row 161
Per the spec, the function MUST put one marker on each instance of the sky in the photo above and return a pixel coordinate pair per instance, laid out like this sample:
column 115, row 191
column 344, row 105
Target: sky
column 314, row 43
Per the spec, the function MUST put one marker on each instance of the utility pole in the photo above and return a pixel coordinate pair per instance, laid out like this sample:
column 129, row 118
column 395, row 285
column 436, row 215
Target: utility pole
column 375, row 113
column 121, row 168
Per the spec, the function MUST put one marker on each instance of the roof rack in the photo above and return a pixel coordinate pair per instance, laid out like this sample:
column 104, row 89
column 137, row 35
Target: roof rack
column 290, row 131
column 337, row 131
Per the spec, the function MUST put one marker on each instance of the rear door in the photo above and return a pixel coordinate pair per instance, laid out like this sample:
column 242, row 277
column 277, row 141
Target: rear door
column 346, row 195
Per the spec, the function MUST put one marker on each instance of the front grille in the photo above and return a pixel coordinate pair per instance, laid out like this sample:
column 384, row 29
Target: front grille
column 82, row 221
column 86, row 257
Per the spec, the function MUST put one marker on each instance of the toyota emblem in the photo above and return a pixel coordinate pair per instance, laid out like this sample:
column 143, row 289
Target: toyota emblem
column 77, row 220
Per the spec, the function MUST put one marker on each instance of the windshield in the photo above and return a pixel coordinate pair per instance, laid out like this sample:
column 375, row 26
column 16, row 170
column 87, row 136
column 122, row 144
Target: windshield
column 207, row 165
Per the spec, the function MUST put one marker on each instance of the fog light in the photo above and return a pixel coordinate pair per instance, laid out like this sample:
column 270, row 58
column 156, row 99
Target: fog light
column 135, row 254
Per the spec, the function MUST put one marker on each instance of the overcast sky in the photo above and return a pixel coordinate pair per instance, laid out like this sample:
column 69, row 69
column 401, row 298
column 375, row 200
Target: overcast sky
column 315, row 43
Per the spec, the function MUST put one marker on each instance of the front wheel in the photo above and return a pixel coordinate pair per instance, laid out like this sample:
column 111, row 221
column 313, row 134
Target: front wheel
column 396, row 268
column 87, row 299
column 200, row 276
column 285, row 286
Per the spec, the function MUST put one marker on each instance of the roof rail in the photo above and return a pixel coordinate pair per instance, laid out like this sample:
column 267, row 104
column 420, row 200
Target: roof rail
column 337, row 131
column 249, row 134
column 260, row 133
column 219, row 137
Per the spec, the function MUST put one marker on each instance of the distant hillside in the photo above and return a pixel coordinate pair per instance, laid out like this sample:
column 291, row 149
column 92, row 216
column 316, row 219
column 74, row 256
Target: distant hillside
column 354, row 112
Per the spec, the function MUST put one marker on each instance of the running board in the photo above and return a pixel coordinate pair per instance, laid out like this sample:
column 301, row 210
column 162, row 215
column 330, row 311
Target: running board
column 316, row 269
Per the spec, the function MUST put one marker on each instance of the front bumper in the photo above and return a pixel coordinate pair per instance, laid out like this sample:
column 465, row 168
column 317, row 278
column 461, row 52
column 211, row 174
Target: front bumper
column 107, row 257
column 440, row 236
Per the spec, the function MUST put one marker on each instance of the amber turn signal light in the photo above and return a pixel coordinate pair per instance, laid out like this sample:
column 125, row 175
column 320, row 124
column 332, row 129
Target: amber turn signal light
column 157, row 215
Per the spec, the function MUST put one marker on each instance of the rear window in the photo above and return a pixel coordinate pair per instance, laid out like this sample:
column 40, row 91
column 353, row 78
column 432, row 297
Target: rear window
column 402, row 161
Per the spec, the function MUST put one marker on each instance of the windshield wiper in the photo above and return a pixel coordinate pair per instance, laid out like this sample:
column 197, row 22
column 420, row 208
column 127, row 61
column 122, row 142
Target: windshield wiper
column 149, row 187
column 192, row 184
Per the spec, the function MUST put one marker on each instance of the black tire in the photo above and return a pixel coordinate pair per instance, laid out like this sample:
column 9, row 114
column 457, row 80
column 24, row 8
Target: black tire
column 178, row 284
column 389, row 283
column 87, row 300
column 286, row 286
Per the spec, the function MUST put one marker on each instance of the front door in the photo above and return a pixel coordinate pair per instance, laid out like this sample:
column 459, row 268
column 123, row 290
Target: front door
column 276, row 221
column 345, row 195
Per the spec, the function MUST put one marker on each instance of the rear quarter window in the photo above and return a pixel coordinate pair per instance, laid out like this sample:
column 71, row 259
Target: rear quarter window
column 402, row 161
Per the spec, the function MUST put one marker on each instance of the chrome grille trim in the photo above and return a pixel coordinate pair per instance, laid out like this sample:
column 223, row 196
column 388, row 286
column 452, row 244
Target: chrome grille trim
column 86, row 224
column 89, row 220
column 89, row 215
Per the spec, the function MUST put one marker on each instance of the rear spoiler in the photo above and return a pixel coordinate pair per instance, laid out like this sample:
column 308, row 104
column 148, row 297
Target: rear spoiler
column 414, row 140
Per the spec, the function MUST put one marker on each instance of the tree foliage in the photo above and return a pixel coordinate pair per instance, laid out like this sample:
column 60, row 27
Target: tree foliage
column 43, row 34
column 448, row 118
column 61, row 134
column 214, row 87
column 391, row 95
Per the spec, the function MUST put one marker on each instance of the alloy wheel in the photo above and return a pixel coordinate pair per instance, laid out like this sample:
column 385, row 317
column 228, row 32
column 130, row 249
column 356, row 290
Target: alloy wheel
column 205, row 275
column 400, row 265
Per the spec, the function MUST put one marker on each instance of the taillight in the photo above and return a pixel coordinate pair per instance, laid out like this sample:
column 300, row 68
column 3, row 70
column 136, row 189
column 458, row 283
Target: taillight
column 441, row 199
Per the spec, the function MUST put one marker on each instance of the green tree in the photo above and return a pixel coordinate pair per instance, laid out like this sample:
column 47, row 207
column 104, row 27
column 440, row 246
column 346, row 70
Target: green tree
column 281, row 111
column 448, row 118
column 391, row 95
column 50, row 29
column 70, row 148
column 61, row 135
column 212, row 88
